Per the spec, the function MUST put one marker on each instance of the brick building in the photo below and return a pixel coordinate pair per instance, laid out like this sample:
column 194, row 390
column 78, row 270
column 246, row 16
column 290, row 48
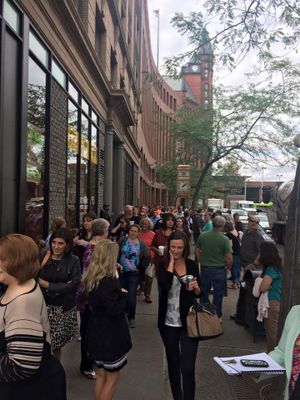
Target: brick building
column 161, row 97
column 80, row 125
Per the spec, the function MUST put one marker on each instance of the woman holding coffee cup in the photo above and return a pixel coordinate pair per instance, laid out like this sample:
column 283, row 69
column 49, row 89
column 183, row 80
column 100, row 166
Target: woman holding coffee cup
column 161, row 238
column 179, row 284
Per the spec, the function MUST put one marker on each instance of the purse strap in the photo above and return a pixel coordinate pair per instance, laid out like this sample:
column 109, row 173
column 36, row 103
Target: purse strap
column 45, row 259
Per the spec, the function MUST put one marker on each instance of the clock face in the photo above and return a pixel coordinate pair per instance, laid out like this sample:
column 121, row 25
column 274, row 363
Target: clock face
column 195, row 68
column 184, row 186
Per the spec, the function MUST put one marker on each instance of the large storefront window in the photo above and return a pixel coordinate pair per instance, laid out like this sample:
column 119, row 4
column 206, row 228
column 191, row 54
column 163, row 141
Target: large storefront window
column 35, row 150
column 93, row 168
column 73, row 147
column 83, row 159
column 84, row 165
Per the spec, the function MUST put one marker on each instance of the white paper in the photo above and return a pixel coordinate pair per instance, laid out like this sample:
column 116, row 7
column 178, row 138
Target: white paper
column 239, row 369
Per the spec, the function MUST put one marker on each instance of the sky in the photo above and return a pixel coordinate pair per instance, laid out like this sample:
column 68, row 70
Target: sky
column 172, row 43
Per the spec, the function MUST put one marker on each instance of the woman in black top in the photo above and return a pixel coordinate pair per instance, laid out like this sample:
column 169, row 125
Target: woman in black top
column 83, row 236
column 121, row 229
column 108, row 335
column 59, row 278
column 176, row 297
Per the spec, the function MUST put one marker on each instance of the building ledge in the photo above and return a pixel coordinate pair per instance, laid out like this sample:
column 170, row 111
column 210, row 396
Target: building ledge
column 121, row 105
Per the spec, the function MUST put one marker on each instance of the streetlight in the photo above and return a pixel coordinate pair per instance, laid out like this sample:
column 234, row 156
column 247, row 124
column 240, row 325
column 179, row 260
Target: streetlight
column 279, row 178
column 262, row 184
column 245, row 188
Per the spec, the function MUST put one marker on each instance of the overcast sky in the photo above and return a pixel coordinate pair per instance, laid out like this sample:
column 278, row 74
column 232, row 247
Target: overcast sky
column 171, row 43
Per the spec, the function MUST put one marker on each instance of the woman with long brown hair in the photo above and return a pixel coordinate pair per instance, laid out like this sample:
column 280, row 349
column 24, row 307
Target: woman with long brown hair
column 179, row 283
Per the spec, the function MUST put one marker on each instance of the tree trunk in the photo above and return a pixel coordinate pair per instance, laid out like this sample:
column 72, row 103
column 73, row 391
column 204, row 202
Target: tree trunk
column 199, row 186
column 291, row 267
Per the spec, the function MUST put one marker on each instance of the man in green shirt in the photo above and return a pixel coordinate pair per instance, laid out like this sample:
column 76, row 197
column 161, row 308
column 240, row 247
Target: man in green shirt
column 213, row 250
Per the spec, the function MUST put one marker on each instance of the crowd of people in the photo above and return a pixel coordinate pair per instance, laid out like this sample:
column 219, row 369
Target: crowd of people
column 97, row 273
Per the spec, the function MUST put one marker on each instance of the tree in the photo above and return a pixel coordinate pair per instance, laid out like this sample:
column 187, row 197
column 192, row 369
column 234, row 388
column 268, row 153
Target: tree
column 268, row 28
column 250, row 125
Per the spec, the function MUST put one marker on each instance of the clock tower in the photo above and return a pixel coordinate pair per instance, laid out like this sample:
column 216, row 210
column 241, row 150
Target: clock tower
column 197, row 76
column 191, row 68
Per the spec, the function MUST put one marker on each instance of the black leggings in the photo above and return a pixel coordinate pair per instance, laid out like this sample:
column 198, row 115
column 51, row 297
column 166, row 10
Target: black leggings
column 181, row 354
column 86, row 364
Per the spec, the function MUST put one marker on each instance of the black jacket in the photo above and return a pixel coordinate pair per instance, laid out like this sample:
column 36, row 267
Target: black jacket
column 63, row 281
column 108, row 334
column 165, row 279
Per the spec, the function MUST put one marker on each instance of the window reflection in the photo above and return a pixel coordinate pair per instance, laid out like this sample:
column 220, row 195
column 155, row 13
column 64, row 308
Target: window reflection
column 38, row 49
column 73, row 92
column 83, row 142
column 84, row 164
column 35, row 151
column 85, row 107
column 12, row 16
column 93, row 169
column 73, row 148
column 59, row 74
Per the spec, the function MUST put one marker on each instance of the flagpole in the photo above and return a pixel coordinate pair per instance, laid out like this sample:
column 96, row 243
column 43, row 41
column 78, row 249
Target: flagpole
column 157, row 46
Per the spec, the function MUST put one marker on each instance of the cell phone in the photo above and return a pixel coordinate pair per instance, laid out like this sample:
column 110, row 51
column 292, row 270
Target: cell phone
column 254, row 363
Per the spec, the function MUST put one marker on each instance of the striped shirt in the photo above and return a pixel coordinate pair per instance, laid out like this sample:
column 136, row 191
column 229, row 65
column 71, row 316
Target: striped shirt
column 24, row 328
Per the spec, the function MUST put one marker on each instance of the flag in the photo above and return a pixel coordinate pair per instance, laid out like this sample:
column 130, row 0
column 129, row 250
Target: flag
column 156, row 12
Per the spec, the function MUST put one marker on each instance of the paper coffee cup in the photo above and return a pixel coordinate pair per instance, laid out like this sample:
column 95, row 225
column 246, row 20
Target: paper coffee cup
column 161, row 250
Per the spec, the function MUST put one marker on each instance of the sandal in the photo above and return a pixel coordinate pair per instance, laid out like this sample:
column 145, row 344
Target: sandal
column 89, row 374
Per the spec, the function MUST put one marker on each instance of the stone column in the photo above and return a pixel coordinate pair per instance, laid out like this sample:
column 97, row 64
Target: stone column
column 118, row 178
column 108, row 166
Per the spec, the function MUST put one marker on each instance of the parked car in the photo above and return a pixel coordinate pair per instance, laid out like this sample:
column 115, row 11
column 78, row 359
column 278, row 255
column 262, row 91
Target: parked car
column 250, row 211
column 264, row 222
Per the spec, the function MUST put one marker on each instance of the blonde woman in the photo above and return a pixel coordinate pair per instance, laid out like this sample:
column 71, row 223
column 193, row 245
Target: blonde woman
column 108, row 337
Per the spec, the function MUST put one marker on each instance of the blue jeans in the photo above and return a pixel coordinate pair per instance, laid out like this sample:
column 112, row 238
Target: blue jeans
column 130, row 282
column 236, row 269
column 216, row 277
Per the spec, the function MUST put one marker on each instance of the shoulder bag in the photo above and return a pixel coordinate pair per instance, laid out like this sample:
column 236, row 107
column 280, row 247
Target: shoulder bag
column 150, row 270
column 203, row 322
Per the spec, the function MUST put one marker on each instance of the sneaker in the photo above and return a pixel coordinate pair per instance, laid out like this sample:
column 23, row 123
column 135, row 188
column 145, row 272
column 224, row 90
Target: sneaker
column 148, row 299
column 131, row 323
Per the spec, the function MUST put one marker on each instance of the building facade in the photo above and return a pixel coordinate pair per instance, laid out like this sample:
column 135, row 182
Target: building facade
column 81, row 123
column 161, row 97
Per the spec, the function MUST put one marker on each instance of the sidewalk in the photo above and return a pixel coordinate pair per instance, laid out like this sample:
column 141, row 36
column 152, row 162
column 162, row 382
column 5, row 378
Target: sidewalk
column 145, row 376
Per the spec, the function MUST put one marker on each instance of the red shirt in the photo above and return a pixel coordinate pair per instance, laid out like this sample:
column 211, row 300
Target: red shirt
column 147, row 237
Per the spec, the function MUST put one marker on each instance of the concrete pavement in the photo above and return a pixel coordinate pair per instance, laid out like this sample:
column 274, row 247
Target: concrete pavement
column 145, row 376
